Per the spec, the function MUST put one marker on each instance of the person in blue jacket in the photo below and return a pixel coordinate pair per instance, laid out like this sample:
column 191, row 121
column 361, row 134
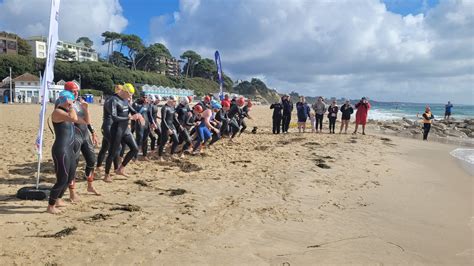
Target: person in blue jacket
column 302, row 112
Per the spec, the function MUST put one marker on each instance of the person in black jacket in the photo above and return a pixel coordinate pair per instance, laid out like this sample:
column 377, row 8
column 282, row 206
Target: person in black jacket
column 346, row 111
column 287, row 109
column 168, row 129
column 277, row 108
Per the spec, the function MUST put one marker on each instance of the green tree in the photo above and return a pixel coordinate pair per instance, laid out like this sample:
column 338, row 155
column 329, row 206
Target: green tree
column 205, row 68
column 110, row 38
column 66, row 55
column 151, row 56
column 120, row 60
column 135, row 46
column 86, row 41
column 23, row 47
column 192, row 58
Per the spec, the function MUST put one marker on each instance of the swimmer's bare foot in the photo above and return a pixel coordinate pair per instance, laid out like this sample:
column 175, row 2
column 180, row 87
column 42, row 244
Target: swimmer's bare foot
column 53, row 210
column 120, row 170
column 144, row 158
column 60, row 203
column 160, row 159
column 107, row 178
column 91, row 188
column 73, row 196
column 182, row 156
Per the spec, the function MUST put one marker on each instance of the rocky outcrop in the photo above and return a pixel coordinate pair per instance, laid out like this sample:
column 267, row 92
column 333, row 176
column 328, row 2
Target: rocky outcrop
column 440, row 128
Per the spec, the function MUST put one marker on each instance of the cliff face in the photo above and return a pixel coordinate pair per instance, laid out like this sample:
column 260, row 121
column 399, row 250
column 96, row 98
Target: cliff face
column 258, row 91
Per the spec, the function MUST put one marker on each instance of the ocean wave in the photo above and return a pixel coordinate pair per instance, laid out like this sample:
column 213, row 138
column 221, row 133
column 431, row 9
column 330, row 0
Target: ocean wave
column 464, row 154
column 385, row 115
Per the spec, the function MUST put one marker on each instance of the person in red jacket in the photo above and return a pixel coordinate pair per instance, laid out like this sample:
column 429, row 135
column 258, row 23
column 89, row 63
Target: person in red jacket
column 361, row 115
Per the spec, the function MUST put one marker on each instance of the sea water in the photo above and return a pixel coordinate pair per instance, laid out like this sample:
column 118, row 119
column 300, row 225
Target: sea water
column 466, row 156
column 394, row 111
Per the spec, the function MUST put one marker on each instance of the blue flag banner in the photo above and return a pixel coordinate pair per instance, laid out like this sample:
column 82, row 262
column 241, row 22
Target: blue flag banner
column 219, row 74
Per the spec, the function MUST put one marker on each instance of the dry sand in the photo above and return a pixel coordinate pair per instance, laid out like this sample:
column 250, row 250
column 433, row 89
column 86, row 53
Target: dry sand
column 261, row 201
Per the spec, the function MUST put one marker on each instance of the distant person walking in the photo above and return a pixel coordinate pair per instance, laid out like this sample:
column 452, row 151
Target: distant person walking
column 302, row 112
column 361, row 115
column 427, row 118
column 320, row 109
column 277, row 116
column 346, row 111
column 447, row 112
column 287, row 109
column 332, row 116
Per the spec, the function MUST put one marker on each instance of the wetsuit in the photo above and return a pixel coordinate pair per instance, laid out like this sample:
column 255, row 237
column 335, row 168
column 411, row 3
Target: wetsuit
column 286, row 118
column 277, row 107
column 168, row 120
column 157, row 138
column 184, row 124
column 143, row 131
column 244, row 114
column 64, row 158
column 119, row 110
column 106, row 136
column 234, row 113
column 220, row 122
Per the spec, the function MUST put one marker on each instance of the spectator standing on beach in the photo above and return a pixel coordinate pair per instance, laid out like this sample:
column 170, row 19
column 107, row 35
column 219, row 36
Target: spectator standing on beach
column 427, row 118
column 361, row 115
column 277, row 108
column 447, row 113
column 332, row 116
column 320, row 109
column 346, row 111
column 287, row 109
column 302, row 112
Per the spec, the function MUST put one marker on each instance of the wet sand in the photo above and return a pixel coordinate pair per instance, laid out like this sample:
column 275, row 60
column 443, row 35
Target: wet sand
column 296, row 199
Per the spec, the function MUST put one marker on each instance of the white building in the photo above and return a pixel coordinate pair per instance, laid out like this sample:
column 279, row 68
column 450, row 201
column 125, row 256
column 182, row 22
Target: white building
column 81, row 52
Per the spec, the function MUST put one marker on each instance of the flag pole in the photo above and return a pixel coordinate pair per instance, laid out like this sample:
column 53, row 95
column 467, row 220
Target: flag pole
column 48, row 77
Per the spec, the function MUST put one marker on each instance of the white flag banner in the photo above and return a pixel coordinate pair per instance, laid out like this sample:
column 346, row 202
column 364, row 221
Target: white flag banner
column 48, row 76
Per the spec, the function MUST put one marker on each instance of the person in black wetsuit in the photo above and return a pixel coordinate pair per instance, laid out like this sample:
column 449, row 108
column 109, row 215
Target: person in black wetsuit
column 235, row 112
column 185, row 122
column 168, row 129
column 244, row 114
column 84, row 142
column 119, row 109
column 223, row 117
column 106, row 135
column 287, row 109
column 64, row 116
column 142, row 131
column 215, row 121
column 277, row 108
column 155, row 125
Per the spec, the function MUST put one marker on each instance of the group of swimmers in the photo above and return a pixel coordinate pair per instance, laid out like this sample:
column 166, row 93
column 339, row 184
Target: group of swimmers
column 184, row 128
column 282, row 114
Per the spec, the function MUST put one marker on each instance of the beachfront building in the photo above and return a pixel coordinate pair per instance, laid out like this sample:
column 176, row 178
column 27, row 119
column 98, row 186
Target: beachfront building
column 172, row 66
column 166, row 91
column 79, row 51
column 26, row 88
column 8, row 45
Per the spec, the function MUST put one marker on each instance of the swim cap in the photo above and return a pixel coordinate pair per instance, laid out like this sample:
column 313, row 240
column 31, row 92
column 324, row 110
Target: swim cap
column 184, row 100
column 225, row 104
column 249, row 103
column 190, row 98
column 207, row 99
column 64, row 96
column 118, row 88
column 71, row 86
column 215, row 105
column 198, row 108
column 128, row 88
column 151, row 97
column 158, row 97
column 241, row 101
column 172, row 98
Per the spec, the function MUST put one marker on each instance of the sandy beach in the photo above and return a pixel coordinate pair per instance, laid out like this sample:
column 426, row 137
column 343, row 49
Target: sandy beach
column 295, row 199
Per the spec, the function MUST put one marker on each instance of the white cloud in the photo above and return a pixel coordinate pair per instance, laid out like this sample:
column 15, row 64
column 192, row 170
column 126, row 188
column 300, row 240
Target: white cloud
column 76, row 18
column 341, row 48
